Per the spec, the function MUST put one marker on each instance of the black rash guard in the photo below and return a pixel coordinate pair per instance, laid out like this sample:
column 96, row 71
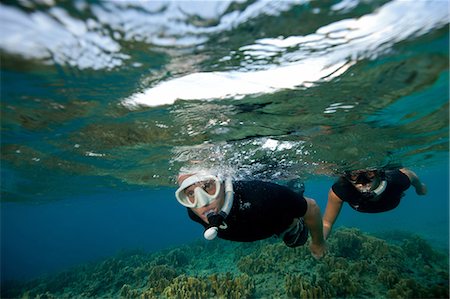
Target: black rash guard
column 260, row 210
column 397, row 183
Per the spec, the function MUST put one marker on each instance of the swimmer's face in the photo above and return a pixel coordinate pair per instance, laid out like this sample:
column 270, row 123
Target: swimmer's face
column 209, row 187
column 364, row 181
column 214, row 206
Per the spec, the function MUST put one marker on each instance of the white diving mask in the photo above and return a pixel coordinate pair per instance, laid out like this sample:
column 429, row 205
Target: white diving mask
column 200, row 196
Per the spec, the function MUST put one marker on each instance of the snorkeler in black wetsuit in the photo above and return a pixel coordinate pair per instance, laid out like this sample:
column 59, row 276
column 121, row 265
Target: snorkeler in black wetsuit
column 397, row 183
column 259, row 210
column 369, row 191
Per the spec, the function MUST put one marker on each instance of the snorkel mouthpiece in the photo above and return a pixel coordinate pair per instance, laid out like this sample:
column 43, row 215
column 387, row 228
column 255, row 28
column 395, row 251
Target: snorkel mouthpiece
column 217, row 220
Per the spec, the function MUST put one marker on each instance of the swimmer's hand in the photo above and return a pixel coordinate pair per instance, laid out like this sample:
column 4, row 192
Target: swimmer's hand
column 318, row 250
column 421, row 189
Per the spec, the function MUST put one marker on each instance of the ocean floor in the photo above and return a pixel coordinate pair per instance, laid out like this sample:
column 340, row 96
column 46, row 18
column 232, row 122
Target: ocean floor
column 357, row 265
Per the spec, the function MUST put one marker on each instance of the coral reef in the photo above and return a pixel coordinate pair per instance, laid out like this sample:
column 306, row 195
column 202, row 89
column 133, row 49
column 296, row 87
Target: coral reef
column 348, row 243
column 214, row 286
column 298, row 286
column 160, row 277
column 357, row 265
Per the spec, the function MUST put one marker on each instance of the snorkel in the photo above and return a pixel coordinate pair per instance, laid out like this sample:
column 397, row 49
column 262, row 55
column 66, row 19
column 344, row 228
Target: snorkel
column 216, row 219
column 380, row 189
column 372, row 194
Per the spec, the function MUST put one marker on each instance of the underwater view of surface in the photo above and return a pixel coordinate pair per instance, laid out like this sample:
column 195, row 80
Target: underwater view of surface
column 103, row 103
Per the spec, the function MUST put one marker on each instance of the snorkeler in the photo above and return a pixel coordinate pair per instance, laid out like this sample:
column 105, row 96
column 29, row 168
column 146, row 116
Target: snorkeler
column 369, row 191
column 247, row 211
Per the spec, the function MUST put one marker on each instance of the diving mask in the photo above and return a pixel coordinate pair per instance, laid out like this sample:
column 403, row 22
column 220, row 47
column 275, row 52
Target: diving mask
column 361, row 176
column 205, row 189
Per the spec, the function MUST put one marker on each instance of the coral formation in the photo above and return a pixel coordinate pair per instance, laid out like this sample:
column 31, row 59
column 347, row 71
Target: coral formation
column 214, row 286
column 298, row 286
column 348, row 243
column 357, row 265
column 160, row 277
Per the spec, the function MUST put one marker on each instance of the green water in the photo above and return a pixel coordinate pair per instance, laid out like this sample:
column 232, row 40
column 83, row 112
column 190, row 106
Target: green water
column 122, row 94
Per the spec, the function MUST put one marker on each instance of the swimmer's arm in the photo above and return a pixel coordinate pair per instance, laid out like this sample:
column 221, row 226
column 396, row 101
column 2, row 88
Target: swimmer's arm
column 421, row 188
column 313, row 220
column 334, row 206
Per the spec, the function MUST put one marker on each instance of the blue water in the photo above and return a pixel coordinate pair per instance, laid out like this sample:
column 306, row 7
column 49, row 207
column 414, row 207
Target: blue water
column 44, row 238
column 103, row 103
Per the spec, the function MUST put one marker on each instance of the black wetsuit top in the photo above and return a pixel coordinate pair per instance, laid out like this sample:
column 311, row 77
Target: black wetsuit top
column 397, row 183
column 260, row 210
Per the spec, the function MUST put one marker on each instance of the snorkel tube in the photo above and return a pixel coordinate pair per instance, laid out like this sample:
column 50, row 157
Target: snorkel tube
column 378, row 190
column 216, row 220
